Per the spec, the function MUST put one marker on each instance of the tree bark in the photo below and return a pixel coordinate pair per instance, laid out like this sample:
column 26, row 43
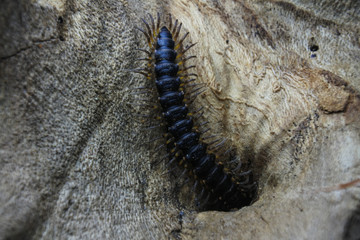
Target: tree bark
column 283, row 87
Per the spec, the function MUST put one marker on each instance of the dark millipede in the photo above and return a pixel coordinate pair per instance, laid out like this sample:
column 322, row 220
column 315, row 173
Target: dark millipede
column 166, row 68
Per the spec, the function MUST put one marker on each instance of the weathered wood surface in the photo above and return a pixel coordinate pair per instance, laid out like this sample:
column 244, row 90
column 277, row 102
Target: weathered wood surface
column 73, row 163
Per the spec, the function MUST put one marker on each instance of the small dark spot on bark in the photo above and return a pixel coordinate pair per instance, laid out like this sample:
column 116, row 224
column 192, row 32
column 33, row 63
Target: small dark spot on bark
column 62, row 38
column 227, row 41
column 60, row 20
column 314, row 48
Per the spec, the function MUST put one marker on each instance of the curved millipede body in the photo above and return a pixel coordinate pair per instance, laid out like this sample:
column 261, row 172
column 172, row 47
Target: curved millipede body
column 166, row 66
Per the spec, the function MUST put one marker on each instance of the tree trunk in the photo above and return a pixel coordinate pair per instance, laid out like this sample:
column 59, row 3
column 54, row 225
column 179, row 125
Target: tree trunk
column 282, row 83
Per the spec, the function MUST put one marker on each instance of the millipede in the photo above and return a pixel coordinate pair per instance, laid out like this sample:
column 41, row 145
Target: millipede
column 166, row 71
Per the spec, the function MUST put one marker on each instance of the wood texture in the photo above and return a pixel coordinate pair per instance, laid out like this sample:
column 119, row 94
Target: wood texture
column 73, row 163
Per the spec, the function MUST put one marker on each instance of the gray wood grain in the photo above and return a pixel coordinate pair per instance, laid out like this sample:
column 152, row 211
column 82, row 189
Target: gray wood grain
column 73, row 163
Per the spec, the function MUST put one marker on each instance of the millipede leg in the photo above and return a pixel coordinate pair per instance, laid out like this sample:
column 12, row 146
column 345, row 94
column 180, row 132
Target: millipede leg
column 217, row 146
column 183, row 173
column 148, row 30
column 146, row 35
column 245, row 173
column 196, row 84
column 181, row 40
column 205, row 131
column 193, row 97
column 185, row 69
column 175, row 25
column 185, row 50
column 153, row 127
column 189, row 81
column 170, row 21
column 209, row 137
column 158, row 23
column 202, row 124
column 201, row 195
column 177, row 33
column 152, row 24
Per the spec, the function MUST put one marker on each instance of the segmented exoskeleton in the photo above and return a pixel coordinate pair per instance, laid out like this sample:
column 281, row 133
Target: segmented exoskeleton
column 166, row 65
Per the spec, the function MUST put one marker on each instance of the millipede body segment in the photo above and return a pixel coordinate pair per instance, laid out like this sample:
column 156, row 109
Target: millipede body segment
column 166, row 65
